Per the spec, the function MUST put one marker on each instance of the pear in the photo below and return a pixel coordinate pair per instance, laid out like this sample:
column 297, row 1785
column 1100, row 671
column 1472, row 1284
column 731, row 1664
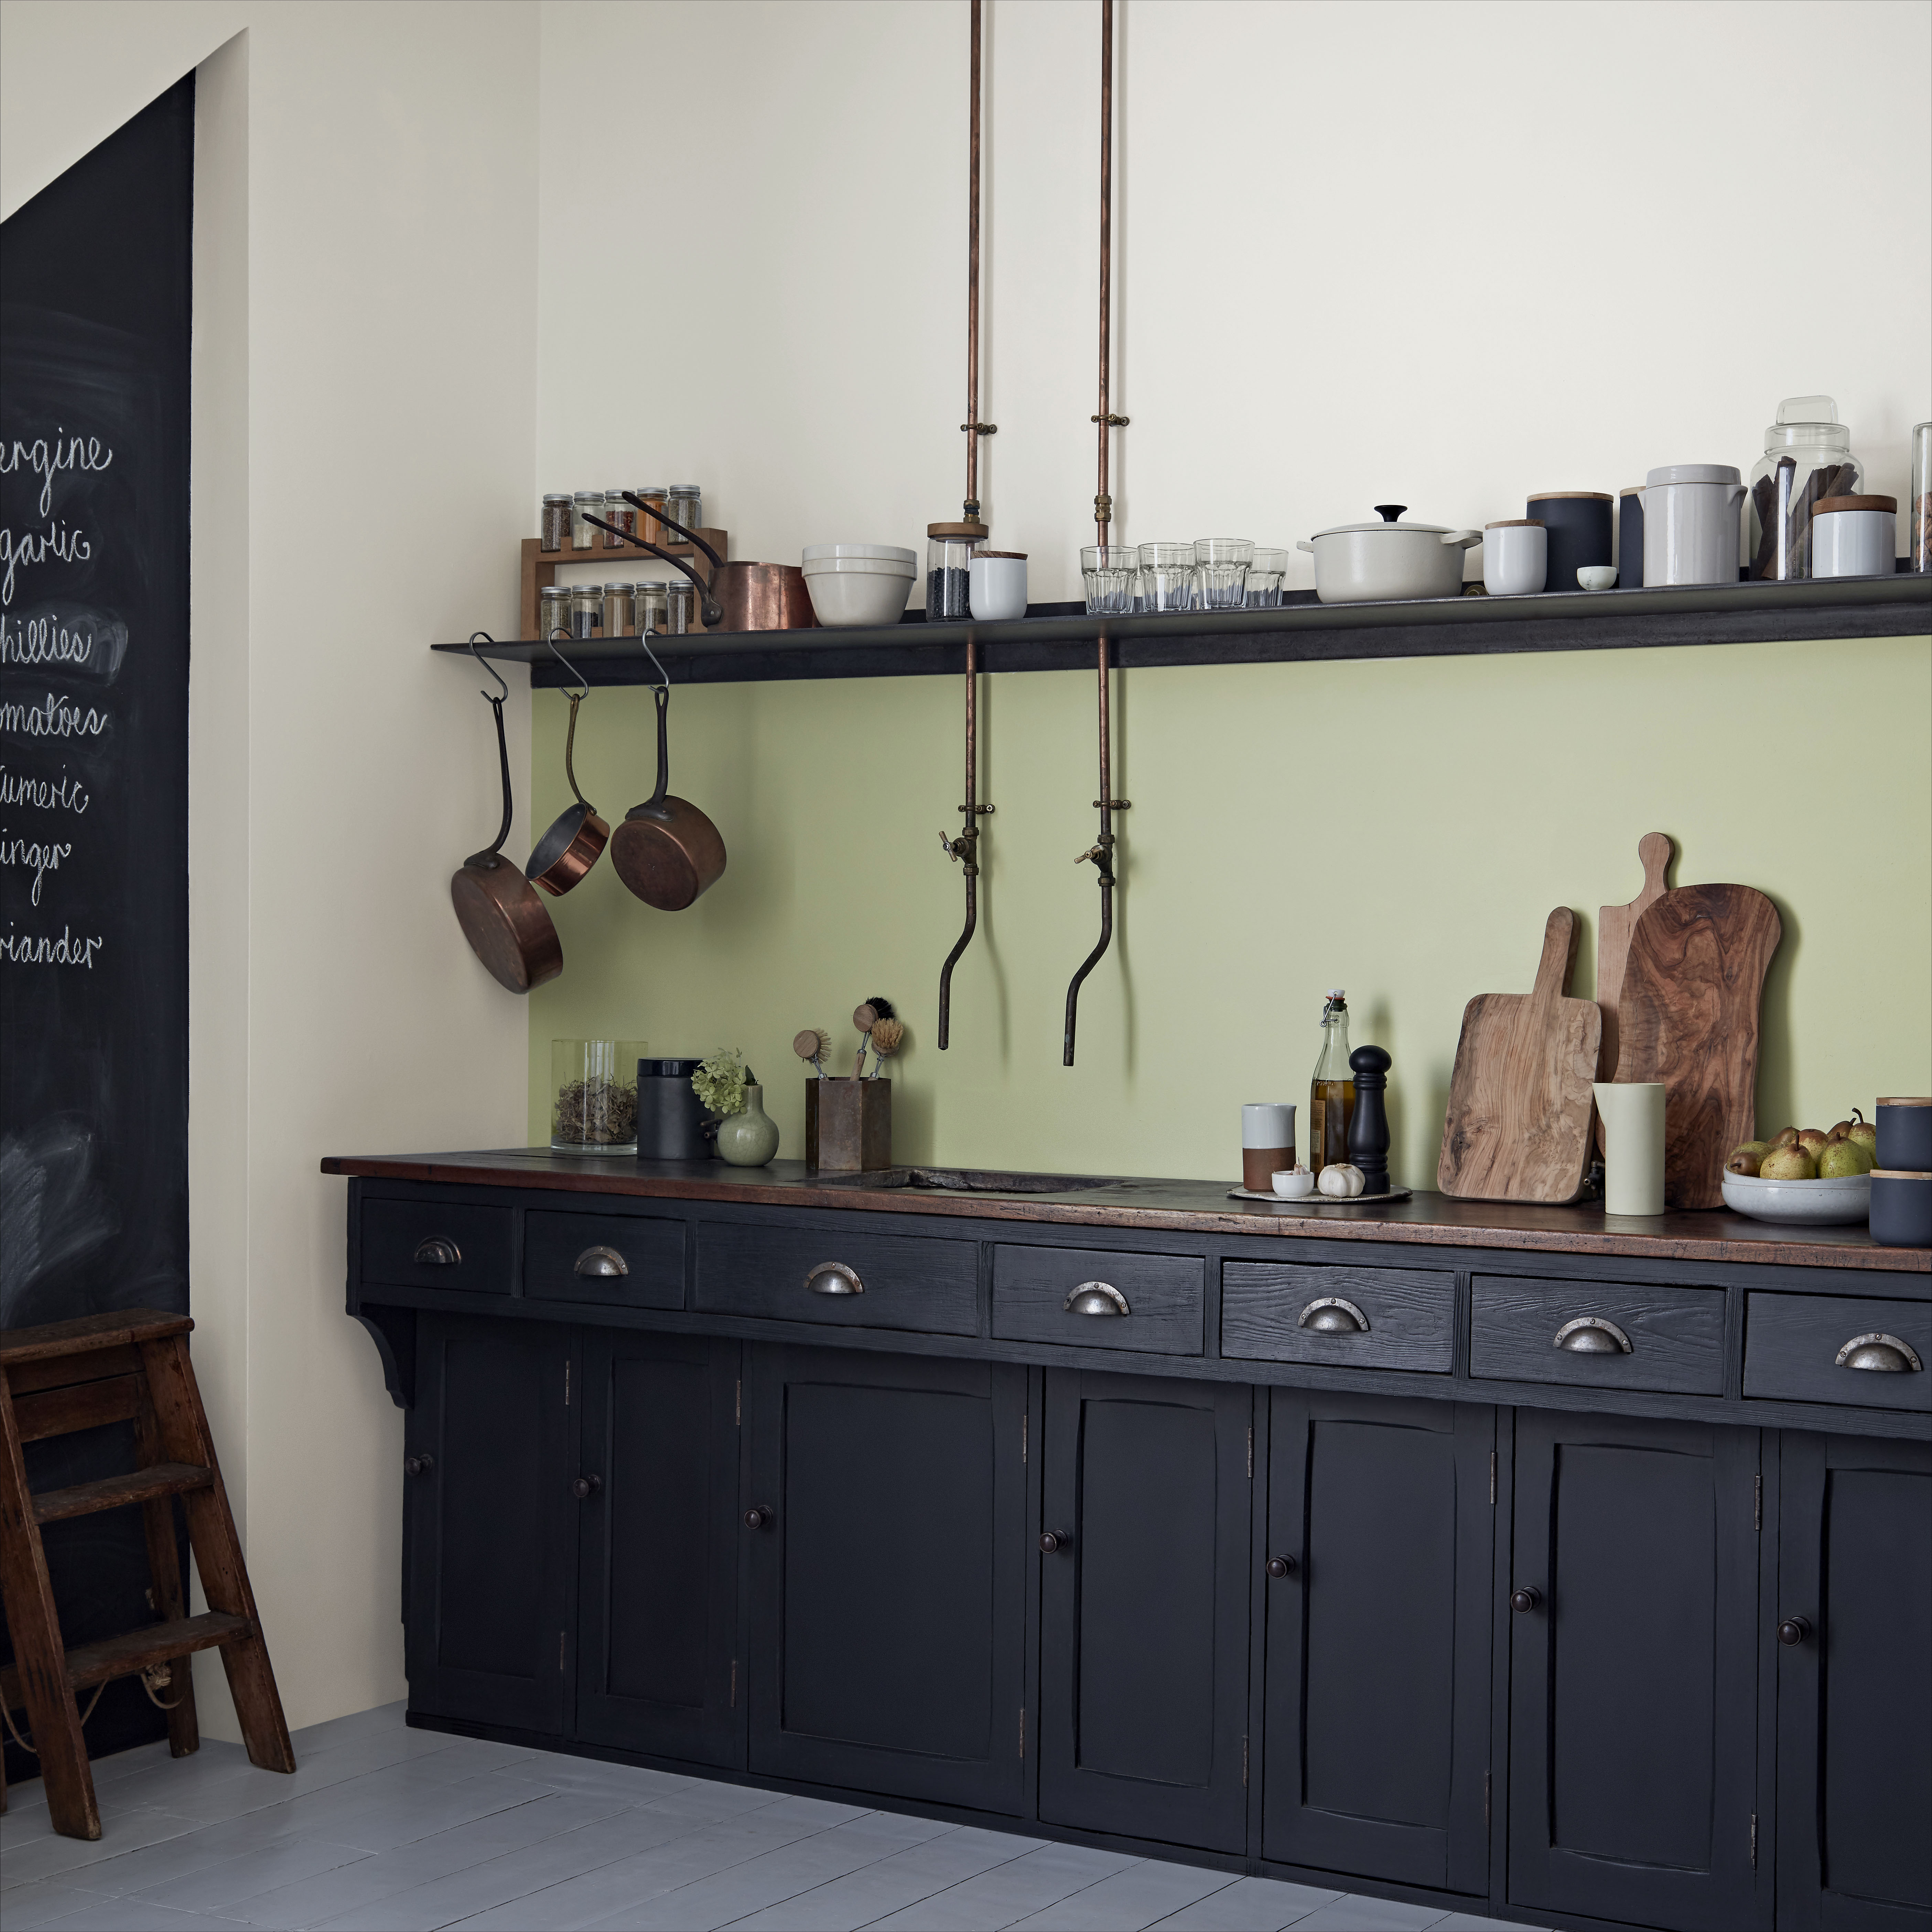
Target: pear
column 1788, row 1163
column 1784, row 1137
column 1844, row 1158
column 1865, row 1136
column 1812, row 1140
column 1745, row 1159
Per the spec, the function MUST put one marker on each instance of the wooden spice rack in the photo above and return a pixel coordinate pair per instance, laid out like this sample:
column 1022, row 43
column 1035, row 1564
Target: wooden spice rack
column 541, row 566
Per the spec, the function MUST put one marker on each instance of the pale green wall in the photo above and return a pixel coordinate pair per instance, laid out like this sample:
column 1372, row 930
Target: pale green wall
column 1400, row 829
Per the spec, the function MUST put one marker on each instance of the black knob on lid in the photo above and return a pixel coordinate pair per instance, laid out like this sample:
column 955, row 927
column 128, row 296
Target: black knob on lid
column 1388, row 512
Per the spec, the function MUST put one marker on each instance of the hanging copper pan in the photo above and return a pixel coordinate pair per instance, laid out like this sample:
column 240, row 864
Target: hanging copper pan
column 576, row 835
column 666, row 850
column 502, row 916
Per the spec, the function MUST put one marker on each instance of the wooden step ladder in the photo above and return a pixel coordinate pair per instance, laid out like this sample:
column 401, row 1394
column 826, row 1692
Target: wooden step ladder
column 131, row 1366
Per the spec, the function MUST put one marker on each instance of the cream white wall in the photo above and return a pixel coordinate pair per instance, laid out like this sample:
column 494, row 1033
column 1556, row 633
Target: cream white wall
column 364, row 362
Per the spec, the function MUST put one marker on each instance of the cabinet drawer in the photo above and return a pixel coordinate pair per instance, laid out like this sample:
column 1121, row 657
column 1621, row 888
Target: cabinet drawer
column 1792, row 1345
column 627, row 1261
column 426, row 1244
column 1288, row 1312
column 885, row 1281
column 1154, row 1306
column 1676, row 1335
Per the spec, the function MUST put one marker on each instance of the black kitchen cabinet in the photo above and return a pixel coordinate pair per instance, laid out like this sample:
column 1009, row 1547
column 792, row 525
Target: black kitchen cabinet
column 658, row 1546
column 1853, row 1617
column 1376, row 1698
column 1144, row 1607
column 884, row 1530
column 491, row 1523
column 1633, row 1649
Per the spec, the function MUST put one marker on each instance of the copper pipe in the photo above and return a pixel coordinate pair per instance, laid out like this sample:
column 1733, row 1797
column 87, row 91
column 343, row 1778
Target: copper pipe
column 966, row 846
column 972, row 423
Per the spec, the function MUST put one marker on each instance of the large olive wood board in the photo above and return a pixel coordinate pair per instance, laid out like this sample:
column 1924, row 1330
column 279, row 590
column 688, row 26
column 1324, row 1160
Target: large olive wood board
column 1615, row 924
column 1689, row 1003
column 1518, row 1126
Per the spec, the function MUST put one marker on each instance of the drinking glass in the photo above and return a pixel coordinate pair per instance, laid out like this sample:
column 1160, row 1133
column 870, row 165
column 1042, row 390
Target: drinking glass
column 1266, row 575
column 1167, row 576
column 1108, row 572
column 1221, row 571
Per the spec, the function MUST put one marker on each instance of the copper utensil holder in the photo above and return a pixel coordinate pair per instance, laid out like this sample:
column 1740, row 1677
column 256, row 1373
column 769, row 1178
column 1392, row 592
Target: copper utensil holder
column 848, row 1125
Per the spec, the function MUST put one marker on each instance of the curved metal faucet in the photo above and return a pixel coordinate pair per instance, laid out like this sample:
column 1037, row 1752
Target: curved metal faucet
column 1102, row 854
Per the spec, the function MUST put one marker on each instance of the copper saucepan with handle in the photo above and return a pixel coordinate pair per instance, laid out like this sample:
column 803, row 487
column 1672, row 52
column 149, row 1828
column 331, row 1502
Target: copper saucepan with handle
column 666, row 850
column 739, row 596
column 506, row 923
column 577, row 836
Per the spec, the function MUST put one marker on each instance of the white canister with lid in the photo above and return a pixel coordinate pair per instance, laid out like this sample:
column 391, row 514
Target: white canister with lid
column 1690, row 523
column 1854, row 536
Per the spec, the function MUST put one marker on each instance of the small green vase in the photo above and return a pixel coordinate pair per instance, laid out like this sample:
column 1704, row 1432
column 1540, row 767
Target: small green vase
column 750, row 1138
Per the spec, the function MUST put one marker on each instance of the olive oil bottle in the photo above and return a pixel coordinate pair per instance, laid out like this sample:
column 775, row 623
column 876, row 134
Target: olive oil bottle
column 1331, row 1094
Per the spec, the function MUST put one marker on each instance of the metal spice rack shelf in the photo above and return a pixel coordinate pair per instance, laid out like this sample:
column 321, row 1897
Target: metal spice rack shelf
column 1061, row 636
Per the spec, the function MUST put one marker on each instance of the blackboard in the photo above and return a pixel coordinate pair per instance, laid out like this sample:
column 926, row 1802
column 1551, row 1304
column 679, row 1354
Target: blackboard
column 94, row 658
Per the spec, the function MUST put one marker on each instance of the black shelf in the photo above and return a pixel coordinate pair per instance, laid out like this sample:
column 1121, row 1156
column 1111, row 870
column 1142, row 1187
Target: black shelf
column 1062, row 637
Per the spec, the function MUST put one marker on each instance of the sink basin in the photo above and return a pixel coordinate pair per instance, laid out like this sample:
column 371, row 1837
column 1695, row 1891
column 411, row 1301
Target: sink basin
column 970, row 1180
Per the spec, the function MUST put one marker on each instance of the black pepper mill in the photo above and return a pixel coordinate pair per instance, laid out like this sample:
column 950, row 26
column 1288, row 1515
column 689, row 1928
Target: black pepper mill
column 1368, row 1125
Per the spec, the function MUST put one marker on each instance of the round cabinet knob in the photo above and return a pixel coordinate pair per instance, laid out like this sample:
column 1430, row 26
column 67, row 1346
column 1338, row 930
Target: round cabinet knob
column 418, row 1465
column 586, row 1487
column 758, row 1519
column 1793, row 1631
column 1280, row 1566
column 1051, row 1539
column 1525, row 1598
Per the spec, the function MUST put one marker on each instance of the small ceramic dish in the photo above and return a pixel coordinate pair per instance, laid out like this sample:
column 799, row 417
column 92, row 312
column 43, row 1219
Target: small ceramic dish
column 1846, row 1199
column 1597, row 577
column 1293, row 1183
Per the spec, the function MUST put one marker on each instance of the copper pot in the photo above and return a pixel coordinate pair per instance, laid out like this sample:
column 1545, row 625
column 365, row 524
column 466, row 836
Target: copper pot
column 506, row 923
column 736, row 596
column 667, row 851
column 577, row 836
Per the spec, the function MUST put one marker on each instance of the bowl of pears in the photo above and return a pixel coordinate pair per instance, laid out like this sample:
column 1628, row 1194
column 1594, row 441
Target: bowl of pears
column 1805, row 1174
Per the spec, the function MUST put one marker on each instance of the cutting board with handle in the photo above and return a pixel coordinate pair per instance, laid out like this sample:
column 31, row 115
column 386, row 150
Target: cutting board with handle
column 1518, row 1127
column 1688, row 1017
column 1615, row 924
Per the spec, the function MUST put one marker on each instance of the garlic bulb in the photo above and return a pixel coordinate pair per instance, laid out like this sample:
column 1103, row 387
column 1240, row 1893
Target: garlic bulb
column 1340, row 1181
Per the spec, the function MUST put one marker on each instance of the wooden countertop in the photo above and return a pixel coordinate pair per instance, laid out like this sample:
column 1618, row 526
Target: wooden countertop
column 1193, row 1206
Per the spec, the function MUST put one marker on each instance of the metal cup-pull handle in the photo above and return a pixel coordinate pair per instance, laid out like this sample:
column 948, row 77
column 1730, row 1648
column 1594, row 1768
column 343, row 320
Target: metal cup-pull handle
column 601, row 1261
column 1329, row 1315
column 834, row 1278
column 437, row 1252
column 1097, row 1298
column 1885, row 1354
column 1590, row 1335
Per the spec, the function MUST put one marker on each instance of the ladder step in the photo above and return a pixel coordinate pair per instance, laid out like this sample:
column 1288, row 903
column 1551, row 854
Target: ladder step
column 138, row 1486
column 136, row 1650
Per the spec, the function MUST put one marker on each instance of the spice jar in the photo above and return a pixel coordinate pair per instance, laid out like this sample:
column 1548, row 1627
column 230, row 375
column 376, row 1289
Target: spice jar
column 652, row 496
column 949, row 564
column 593, row 1085
column 554, row 611
column 586, row 610
column 616, row 511
column 679, row 597
column 585, row 503
column 1807, row 454
column 685, row 504
column 620, row 609
column 554, row 531
column 652, row 615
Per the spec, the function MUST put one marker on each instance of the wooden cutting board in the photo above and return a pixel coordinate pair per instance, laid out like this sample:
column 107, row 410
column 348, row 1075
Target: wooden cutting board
column 1518, row 1127
column 1689, row 1002
column 1615, row 924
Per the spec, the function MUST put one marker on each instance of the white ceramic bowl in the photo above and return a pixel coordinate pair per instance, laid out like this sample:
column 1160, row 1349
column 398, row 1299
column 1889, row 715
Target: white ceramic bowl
column 1294, row 1183
column 1847, row 1198
column 1596, row 577
column 876, row 553
column 847, row 593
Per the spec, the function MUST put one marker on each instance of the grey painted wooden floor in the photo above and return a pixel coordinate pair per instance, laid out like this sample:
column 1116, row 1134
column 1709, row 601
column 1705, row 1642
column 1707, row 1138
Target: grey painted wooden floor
column 386, row 1829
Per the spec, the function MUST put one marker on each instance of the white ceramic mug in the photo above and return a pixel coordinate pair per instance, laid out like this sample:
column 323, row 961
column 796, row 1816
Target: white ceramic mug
column 996, row 585
column 1691, row 523
column 1857, row 540
column 1268, row 1142
column 1633, row 1113
column 1516, row 557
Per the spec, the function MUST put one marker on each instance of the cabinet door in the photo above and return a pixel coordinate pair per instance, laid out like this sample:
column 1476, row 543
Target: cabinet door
column 658, row 1561
column 887, row 1573
column 1633, row 1672
column 491, row 1523
column 1377, row 1693
column 1144, row 1608
column 1855, row 1691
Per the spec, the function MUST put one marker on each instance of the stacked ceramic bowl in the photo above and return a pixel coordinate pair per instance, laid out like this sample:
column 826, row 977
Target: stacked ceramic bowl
column 1901, row 1182
column 858, row 584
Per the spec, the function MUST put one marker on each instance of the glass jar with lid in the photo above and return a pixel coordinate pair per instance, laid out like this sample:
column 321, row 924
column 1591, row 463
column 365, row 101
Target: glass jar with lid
column 553, row 611
column 553, row 532
column 616, row 511
column 678, row 601
column 620, row 609
column 1921, row 497
column 1807, row 454
column 586, row 610
column 653, row 612
column 652, row 496
column 685, row 504
column 949, row 549
column 586, row 504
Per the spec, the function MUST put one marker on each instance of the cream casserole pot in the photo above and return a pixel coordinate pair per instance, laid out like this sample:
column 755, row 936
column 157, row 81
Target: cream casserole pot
column 1359, row 563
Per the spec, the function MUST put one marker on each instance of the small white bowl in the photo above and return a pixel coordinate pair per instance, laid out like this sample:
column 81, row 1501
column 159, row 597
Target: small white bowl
column 997, row 587
column 1844, row 1199
column 1294, row 1183
column 870, row 552
column 1596, row 577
